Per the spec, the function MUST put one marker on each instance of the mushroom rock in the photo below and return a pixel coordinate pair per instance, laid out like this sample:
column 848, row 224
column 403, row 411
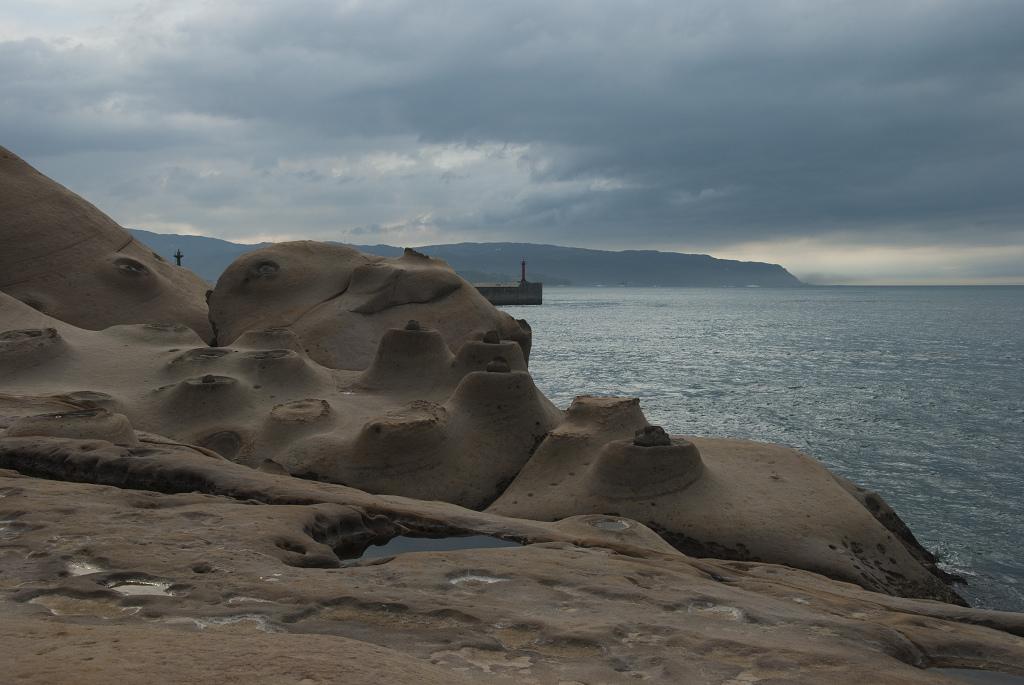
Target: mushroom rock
column 420, row 421
column 339, row 301
column 722, row 498
column 251, row 574
column 409, row 359
column 415, row 360
column 150, row 492
column 639, row 468
column 65, row 257
column 464, row 451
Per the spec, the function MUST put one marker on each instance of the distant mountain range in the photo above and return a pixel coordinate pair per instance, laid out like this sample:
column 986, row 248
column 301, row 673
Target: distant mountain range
column 500, row 262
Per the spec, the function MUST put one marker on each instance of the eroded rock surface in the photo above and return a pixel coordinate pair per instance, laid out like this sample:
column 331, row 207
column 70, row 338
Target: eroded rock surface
column 152, row 529
column 256, row 555
column 728, row 499
column 425, row 423
column 419, row 421
column 339, row 302
column 63, row 256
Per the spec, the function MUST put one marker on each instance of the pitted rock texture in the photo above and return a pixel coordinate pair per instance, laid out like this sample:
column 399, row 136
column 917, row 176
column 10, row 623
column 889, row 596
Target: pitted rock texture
column 132, row 580
column 339, row 302
column 394, row 376
column 420, row 421
column 54, row 651
column 425, row 423
column 63, row 256
column 728, row 499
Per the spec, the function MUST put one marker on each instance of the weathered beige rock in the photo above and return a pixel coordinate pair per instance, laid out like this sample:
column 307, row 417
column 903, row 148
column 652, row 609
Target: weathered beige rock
column 727, row 499
column 63, row 256
column 55, row 651
column 339, row 301
column 84, row 424
column 136, row 543
column 465, row 450
column 253, row 556
column 420, row 421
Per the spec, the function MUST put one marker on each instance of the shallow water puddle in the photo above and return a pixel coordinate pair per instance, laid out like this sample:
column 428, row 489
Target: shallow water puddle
column 475, row 578
column 708, row 609
column 82, row 568
column 404, row 544
column 617, row 526
column 236, row 600
column 239, row 623
column 60, row 605
column 140, row 587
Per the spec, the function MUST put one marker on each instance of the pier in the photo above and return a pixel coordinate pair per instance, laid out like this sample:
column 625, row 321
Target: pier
column 522, row 292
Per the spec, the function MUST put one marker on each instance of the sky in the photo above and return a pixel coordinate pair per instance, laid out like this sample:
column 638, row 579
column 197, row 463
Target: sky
column 862, row 142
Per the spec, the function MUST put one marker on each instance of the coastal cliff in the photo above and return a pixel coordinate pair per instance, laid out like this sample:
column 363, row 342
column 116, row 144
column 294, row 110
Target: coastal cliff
column 550, row 264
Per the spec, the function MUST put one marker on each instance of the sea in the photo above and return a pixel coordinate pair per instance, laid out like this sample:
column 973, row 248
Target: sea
column 914, row 392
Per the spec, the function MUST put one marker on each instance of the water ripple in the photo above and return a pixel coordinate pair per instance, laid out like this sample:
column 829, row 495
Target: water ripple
column 917, row 393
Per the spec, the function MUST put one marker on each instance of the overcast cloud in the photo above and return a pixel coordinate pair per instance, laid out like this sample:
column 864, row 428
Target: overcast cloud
column 850, row 142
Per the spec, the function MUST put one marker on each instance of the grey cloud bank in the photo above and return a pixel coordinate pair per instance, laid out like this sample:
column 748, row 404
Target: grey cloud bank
column 849, row 142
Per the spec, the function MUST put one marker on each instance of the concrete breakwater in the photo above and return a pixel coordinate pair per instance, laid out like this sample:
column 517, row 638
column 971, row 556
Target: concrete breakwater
column 522, row 292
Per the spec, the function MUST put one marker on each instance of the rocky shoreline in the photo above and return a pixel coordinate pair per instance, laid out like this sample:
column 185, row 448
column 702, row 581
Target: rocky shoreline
column 187, row 476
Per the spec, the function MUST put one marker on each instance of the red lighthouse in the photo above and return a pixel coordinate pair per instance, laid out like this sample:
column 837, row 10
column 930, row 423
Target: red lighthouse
column 524, row 271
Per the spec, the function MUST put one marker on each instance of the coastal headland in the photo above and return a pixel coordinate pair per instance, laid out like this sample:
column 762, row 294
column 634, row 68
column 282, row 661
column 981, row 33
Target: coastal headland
column 194, row 481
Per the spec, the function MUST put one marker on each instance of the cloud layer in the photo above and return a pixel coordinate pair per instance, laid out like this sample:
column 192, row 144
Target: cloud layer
column 847, row 141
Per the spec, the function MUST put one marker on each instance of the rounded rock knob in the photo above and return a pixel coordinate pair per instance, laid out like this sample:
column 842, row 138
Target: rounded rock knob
column 499, row 365
column 651, row 436
column 627, row 470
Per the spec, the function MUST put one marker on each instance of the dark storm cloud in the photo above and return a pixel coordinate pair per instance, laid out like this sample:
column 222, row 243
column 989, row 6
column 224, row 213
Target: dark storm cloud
column 601, row 123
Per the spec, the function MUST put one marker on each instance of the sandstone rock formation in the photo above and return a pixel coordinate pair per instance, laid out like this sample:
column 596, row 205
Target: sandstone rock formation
column 419, row 422
column 150, row 514
column 339, row 301
column 63, row 256
column 727, row 499
column 124, row 555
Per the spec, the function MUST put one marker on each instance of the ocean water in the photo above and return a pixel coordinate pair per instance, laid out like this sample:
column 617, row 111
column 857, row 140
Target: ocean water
column 914, row 392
